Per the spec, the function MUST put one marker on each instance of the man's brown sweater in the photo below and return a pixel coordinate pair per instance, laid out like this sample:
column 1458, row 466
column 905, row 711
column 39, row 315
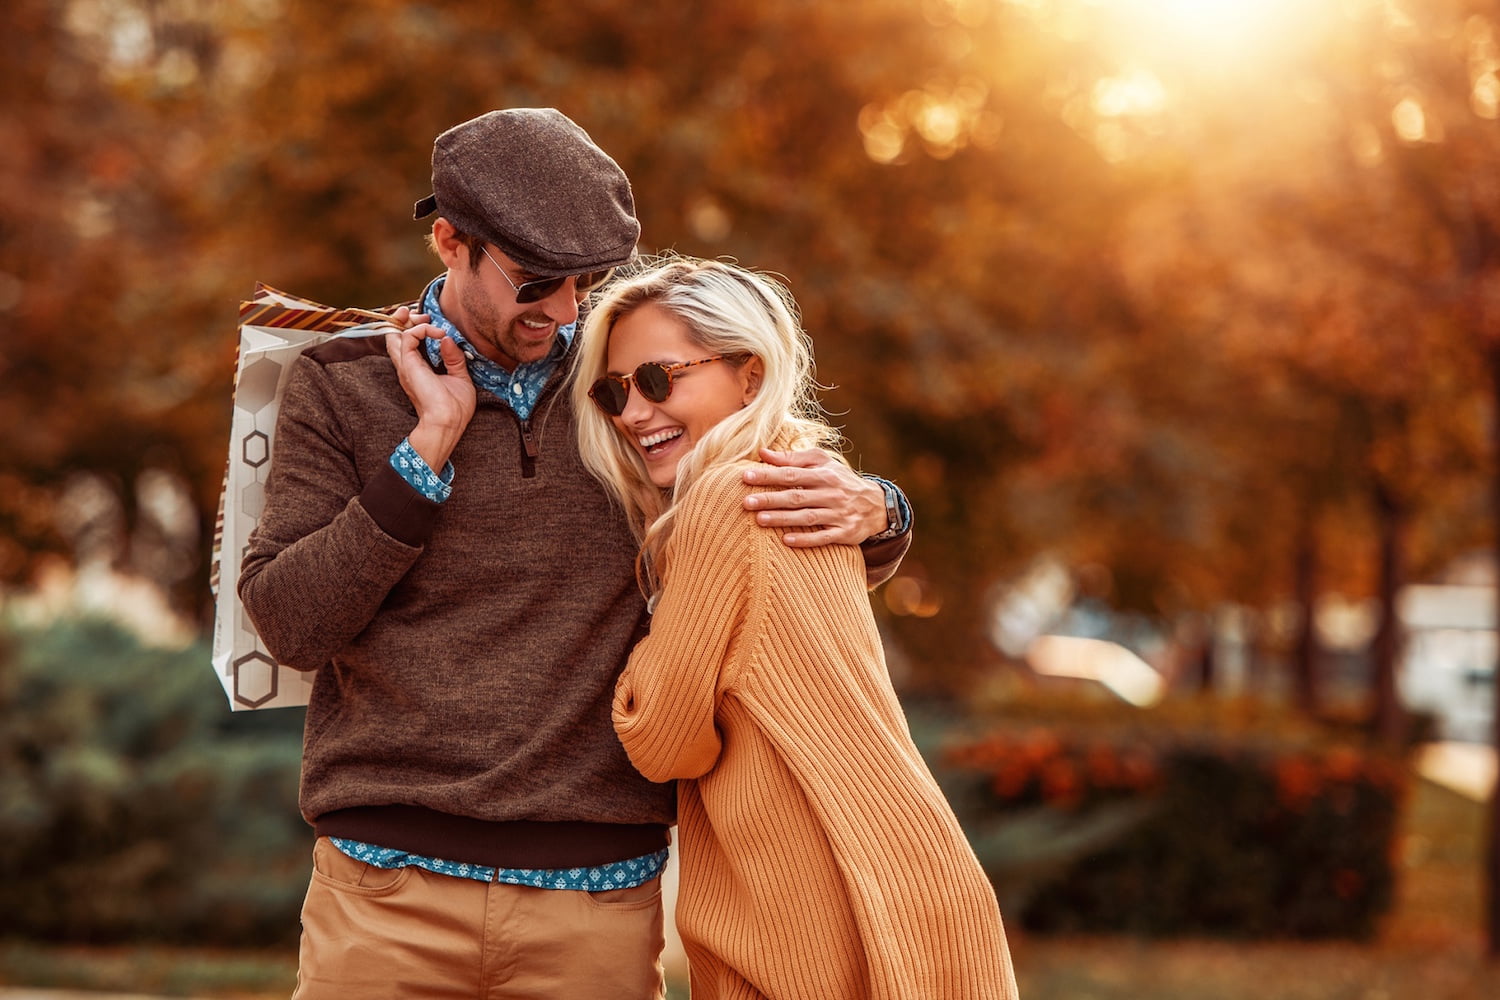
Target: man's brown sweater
column 466, row 652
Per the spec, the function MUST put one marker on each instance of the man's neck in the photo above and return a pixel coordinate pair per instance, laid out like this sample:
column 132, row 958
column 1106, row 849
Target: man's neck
column 458, row 318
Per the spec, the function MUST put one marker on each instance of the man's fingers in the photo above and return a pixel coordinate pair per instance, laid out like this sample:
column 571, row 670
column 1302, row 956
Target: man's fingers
column 796, row 517
column 762, row 475
column 791, row 499
column 811, row 539
column 453, row 358
column 803, row 478
column 806, row 459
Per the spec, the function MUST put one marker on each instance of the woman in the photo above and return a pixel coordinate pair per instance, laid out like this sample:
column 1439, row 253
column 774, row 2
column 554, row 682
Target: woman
column 818, row 857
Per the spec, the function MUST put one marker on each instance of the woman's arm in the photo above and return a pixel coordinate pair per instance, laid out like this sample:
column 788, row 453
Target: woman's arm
column 666, row 698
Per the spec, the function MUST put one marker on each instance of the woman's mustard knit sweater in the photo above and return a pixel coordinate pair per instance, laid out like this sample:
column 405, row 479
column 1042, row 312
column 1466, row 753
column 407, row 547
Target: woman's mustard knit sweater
column 818, row 856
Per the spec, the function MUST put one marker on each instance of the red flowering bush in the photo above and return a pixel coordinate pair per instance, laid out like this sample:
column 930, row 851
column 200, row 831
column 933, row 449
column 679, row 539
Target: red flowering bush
column 1246, row 831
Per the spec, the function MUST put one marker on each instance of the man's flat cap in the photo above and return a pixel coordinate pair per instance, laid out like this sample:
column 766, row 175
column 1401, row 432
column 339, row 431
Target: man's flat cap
column 534, row 184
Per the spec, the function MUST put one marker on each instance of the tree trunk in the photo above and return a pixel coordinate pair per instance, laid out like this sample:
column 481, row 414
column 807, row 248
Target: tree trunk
column 1305, row 654
column 1389, row 717
column 1492, row 841
column 1206, row 665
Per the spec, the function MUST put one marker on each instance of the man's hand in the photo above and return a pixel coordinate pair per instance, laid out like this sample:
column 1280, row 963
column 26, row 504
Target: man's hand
column 835, row 504
column 444, row 402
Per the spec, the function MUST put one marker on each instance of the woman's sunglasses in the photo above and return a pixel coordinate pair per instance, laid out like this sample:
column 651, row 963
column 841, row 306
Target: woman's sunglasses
column 654, row 380
column 536, row 291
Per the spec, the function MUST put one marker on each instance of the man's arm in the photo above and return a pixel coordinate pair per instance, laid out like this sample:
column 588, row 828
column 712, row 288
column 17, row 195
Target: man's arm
column 322, row 558
column 330, row 545
column 837, row 506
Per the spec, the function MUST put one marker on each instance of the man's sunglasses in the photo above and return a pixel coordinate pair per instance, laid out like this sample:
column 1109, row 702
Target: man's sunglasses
column 610, row 392
column 535, row 291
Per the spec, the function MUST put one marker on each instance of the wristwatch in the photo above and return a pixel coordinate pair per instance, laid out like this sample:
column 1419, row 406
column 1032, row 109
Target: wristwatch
column 893, row 523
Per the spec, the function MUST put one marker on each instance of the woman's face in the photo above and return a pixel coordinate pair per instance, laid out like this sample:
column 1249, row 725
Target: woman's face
column 701, row 396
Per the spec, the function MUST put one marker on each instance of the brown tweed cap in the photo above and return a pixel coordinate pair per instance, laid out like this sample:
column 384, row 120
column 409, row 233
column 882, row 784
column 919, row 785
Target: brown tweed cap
column 533, row 183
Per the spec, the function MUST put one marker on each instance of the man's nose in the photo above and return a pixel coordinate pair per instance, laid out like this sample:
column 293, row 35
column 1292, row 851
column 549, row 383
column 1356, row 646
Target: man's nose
column 562, row 305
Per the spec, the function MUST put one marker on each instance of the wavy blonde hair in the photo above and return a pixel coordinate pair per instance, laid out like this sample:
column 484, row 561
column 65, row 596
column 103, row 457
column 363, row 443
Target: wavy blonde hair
column 728, row 310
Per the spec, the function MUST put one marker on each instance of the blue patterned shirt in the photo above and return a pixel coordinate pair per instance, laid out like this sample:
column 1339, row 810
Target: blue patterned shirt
column 436, row 487
column 618, row 875
column 520, row 390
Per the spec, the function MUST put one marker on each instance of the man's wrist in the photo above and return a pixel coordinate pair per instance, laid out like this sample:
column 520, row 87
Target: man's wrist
column 896, row 521
column 412, row 467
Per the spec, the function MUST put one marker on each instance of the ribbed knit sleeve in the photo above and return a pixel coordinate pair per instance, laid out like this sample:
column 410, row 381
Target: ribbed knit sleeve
column 666, row 698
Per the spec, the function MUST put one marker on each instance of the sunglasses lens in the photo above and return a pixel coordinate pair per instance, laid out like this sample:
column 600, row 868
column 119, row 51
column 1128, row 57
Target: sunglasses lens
column 609, row 393
column 654, row 381
column 592, row 280
column 535, row 291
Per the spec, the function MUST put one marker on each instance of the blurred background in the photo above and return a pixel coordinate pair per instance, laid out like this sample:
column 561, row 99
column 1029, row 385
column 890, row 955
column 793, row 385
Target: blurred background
column 1177, row 320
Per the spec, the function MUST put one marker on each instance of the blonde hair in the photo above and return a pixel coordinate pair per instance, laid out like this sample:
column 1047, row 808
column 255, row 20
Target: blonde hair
column 728, row 310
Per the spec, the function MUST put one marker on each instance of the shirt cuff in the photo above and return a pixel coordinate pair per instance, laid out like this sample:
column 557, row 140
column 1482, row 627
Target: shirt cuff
column 436, row 487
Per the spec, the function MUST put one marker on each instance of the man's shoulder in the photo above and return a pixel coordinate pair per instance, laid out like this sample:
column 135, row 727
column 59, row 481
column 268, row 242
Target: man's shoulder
column 341, row 350
column 346, row 374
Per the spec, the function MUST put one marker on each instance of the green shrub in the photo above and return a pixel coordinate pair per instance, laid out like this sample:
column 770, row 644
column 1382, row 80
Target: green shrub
column 1220, row 820
column 133, row 804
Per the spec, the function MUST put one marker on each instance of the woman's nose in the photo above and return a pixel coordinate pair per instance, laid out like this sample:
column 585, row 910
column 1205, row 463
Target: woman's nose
column 638, row 409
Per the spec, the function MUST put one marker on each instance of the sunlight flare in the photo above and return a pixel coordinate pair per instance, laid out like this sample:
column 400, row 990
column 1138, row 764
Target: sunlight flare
column 1225, row 32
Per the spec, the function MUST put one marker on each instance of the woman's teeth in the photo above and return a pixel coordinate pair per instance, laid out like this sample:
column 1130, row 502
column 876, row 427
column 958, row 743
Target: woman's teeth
column 660, row 437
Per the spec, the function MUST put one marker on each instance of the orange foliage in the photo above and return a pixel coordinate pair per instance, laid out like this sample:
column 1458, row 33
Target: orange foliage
column 1146, row 335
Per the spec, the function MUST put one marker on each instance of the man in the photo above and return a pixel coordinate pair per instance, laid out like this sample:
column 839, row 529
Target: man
column 433, row 548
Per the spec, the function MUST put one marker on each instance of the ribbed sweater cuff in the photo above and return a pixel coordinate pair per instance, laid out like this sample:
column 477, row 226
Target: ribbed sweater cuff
column 397, row 508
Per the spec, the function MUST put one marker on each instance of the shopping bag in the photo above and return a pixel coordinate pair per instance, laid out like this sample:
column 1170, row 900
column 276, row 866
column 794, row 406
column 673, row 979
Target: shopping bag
column 274, row 328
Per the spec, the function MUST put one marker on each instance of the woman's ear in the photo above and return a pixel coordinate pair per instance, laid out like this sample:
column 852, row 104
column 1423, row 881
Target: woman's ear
column 751, row 373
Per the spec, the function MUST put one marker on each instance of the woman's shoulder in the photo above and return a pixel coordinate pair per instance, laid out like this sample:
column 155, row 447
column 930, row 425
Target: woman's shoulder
column 718, row 491
column 711, row 520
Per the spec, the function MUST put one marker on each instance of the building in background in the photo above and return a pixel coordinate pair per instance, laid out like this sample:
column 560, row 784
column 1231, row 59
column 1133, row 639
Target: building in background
column 1448, row 662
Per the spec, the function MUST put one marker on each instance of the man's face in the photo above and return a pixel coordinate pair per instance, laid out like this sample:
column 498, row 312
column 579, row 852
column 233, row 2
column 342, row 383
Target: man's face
column 482, row 304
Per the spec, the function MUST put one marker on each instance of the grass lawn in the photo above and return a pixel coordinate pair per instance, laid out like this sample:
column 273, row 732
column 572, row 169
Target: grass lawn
column 1429, row 949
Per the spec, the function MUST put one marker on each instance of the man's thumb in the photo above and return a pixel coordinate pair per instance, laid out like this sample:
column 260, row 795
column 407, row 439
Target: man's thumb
column 453, row 358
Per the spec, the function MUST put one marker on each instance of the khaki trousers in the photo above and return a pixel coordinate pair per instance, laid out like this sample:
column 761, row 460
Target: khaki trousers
column 382, row 934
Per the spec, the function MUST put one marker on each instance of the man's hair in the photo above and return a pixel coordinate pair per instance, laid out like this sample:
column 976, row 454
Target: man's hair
column 729, row 311
column 474, row 244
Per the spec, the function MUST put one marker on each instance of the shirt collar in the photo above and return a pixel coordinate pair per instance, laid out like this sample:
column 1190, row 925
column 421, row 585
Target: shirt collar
column 431, row 307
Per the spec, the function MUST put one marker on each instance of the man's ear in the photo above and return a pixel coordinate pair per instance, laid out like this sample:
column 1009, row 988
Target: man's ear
column 449, row 247
column 751, row 373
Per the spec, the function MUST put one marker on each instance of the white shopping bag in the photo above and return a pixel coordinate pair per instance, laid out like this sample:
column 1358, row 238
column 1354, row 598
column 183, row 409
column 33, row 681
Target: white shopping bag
column 274, row 328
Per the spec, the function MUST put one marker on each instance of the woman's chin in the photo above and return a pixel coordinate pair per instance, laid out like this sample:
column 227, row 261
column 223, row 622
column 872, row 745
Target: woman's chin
column 662, row 467
column 664, row 477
